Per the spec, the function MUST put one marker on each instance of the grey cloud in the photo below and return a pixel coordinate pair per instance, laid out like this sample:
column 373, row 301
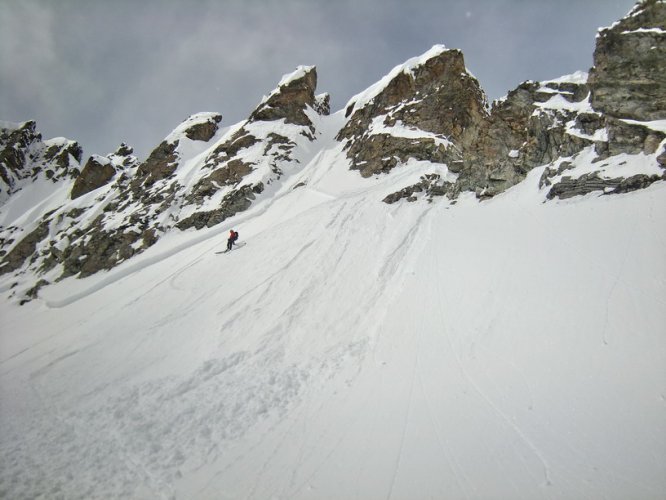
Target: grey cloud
column 104, row 72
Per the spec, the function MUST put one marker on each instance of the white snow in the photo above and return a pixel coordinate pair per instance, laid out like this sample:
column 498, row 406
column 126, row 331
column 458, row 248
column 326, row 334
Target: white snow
column 579, row 77
column 599, row 134
column 297, row 74
column 558, row 102
column 399, row 129
column 658, row 31
column 505, row 349
column 623, row 165
column 658, row 125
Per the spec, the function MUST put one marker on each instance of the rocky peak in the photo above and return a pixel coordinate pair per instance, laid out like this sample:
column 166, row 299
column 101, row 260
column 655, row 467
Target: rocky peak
column 628, row 79
column 295, row 92
column 259, row 151
column 14, row 142
column 123, row 150
column 24, row 155
column 416, row 111
column 433, row 92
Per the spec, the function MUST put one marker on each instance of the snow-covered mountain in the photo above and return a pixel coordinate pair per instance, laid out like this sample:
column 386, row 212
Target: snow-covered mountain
column 428, row 111
column 438, row 298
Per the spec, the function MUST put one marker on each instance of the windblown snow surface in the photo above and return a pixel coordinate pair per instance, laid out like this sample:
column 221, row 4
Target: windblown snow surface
column 510, row 348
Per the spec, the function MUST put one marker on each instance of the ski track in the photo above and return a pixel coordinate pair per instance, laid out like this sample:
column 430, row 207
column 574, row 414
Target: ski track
column 500, row 414
column 316, row 375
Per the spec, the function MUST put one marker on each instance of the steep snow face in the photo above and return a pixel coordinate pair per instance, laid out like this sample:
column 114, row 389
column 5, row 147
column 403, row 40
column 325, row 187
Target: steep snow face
column 353, row 349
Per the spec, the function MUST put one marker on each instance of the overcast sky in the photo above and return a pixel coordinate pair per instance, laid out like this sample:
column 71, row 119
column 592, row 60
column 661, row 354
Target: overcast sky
column 104, row 72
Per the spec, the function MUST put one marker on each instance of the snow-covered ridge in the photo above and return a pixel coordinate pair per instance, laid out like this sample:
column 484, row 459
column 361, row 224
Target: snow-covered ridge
column 578, row 77
column 362, row 98
column 658, row 31
column 196, row 119
column 300, row 72
column 297, row 74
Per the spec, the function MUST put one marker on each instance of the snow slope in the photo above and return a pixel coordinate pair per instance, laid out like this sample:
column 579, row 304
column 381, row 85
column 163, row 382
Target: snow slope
column 352, row 349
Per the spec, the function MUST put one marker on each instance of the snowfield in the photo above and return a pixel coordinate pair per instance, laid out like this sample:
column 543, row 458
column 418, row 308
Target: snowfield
column 511, row 348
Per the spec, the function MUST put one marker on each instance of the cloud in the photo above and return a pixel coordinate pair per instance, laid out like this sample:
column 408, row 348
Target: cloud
column 104, row 72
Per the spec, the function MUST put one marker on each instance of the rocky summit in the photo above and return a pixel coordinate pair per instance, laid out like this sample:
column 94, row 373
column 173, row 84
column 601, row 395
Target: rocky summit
column 61, row 217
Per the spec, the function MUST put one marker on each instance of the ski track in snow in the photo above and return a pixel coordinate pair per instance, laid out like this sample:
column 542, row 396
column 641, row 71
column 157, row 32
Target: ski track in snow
column 355, row 350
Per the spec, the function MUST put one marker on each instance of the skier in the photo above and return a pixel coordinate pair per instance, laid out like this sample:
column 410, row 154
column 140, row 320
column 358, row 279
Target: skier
column 233, row 236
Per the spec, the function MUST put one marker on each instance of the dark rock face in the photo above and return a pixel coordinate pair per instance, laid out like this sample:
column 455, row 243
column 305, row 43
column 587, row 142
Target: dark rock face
column 24, row 249
column 522, row 132
column 236, row 201
column 538, row 123
column 290, row 100
column 242, row 139
column 322, row 104
column 430, row 185
column 629, row 75
column 204, row 131
column 438, row 97
column 24, row 156
column 58, row 157
column 13, row 150
column 161, row 163
column 124, row 150
column 627, row 89
column 96, row 173
column 569, row 187
column 444, row 113
column 164, row 159
column 630, row 138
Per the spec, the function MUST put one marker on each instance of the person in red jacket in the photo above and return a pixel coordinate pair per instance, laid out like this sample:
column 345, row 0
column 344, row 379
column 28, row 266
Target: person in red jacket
column 233, row 236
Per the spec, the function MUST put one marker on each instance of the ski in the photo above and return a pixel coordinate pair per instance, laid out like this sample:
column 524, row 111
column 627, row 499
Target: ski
column 239, row 245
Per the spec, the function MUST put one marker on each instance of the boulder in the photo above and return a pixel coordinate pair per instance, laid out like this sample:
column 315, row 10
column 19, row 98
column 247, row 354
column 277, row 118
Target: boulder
column 97, row 172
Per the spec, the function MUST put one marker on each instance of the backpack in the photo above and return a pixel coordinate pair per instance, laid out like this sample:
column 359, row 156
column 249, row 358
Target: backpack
column 235, row 235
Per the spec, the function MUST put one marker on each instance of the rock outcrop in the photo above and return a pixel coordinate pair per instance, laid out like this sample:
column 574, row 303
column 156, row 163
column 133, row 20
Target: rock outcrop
column 628, row 79
column 25, row 157
column 295, row 94
column 620, row 109
column 628, row 100
column 258, row 152
column 99, row 170
column 424, row 109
